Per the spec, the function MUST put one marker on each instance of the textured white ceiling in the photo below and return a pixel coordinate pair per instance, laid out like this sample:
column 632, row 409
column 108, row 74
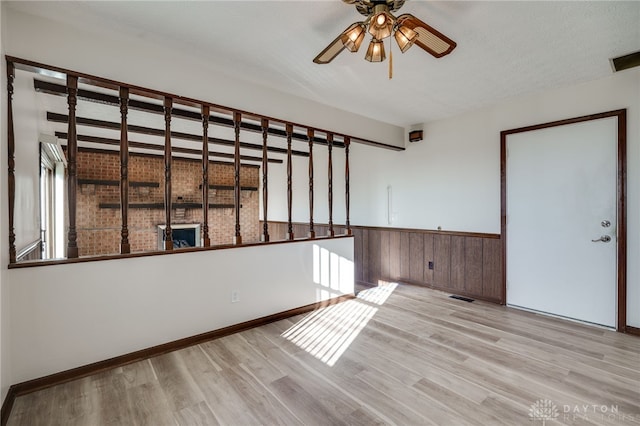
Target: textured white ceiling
column 504, row 48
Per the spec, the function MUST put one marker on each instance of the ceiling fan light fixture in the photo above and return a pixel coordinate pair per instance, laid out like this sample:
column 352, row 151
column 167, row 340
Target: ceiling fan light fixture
column 375, row 52
column 405, row 37
column 353, row 36
column 382, row 22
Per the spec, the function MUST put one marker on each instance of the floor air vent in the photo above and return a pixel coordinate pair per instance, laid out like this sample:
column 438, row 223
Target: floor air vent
column 466, row 299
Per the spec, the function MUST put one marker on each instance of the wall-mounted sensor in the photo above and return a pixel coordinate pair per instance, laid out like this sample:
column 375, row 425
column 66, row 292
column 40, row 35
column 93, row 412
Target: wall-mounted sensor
column 415, row 136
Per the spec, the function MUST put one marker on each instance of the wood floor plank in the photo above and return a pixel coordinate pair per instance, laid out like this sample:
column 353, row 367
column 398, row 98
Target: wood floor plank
column 196, row 415
column 174, row 379
column 148, row 405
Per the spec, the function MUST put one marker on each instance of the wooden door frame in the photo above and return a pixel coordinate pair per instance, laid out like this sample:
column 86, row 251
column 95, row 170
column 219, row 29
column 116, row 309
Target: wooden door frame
column 621, row 115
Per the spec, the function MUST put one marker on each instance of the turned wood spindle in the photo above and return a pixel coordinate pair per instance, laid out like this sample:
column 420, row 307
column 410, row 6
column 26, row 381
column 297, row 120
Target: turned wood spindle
column 125, row 247
column 347, row 144
column 206, row 240
column 11, row 183
column 265, row 191
column 237, row 118
column 72, row 178
column 330, row 147
column 310, row 135
column 168, row 237
column 290, row 235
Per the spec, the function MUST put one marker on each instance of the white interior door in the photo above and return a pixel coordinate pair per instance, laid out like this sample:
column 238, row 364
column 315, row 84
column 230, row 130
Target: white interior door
column 561, row 195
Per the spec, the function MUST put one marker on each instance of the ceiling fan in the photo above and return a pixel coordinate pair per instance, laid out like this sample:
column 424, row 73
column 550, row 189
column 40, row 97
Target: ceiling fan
column 380, row 23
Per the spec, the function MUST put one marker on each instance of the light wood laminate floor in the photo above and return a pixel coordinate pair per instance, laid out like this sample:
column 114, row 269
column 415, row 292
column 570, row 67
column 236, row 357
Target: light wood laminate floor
column 401, row 355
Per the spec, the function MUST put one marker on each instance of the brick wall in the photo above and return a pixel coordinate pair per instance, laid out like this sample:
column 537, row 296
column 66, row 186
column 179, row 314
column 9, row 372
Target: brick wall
column 99, row 228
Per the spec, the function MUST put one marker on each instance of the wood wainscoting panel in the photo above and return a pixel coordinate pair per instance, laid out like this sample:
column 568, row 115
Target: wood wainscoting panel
column 405, row 258
column 375, row 249
column 492, row 270
column 428, row 257
column 357, row 255
column 473, row 265
column 442, row 260
column 385, row 269
column 366, row 276
column 457, row 263
column 464, row 263
column 416, row 257
column 394, row 255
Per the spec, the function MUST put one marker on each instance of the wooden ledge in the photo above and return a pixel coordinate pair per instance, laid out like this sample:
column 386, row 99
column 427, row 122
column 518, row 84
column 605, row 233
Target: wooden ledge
column 31, row 264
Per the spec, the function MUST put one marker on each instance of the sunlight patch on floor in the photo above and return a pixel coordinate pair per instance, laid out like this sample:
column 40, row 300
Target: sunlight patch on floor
column 378, row 295
column 327, row 333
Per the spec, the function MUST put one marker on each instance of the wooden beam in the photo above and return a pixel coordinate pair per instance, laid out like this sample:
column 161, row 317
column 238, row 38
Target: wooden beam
column 61, row 118
column 147, row 155
column 154, row 147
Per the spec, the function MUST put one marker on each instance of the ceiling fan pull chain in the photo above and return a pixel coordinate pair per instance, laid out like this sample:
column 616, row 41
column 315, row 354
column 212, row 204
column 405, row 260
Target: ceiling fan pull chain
column 390, row 60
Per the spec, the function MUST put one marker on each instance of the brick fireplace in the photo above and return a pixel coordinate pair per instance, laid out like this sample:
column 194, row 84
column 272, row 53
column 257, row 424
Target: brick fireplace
column 98, row 201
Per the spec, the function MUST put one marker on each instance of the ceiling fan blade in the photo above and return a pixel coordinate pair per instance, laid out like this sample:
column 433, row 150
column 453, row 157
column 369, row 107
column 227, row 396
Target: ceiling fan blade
column 429, row 39
column 330, row 52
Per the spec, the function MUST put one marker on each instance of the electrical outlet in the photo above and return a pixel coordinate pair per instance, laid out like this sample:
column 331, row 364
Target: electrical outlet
column 235, row 296
column 430, row 265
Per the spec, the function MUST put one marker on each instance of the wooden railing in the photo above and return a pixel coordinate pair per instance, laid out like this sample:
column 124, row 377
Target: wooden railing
column 209, row 114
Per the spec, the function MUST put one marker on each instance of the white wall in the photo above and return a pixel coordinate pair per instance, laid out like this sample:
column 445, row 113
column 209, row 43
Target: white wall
column 66, row 316
column 452, row 178
column 277, row 186
column 4, row 255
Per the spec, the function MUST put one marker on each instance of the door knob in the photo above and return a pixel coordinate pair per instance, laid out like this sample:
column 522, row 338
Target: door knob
column 604, row 239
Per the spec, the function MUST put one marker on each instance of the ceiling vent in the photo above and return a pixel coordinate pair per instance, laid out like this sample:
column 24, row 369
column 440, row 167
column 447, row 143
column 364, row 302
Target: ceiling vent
column 625, row 62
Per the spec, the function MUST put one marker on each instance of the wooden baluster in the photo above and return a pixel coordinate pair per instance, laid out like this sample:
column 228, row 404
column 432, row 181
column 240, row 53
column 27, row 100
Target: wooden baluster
column 206, row 241
column 330, row 146
column 290, row 235
column 168, row 237
column 72, row 179
column 11, row 183
column 237, row 118
column 265, row 191
column 310, row 134
column 125, row 247
column 347, row 143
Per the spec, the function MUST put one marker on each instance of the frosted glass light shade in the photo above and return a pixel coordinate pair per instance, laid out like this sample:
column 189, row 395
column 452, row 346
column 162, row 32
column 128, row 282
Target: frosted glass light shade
column 353, row 36
column 405, row 37
column 375, row 52
column 381, row 25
